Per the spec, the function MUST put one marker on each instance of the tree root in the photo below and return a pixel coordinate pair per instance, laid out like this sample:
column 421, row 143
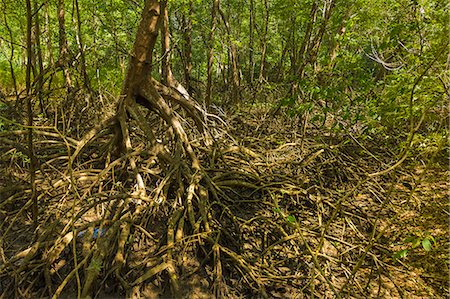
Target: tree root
column 155, row 217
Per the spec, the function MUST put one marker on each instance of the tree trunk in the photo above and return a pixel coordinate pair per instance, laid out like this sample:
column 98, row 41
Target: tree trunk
column 293, row 46
column 166, row 73
column 167, row 77
column 30, row 114
column 262, row 70
column 315, row 46
column 140, row 87
column 335, row 44
column 48, row 36
column 11, row 56
column 86, row 81
column 233, row 58
column 251, row 42
column 187, row 33
column 280, row 68
column 214, row 10
column 63, row 60
column 307, row 38
column 310, row 56
column 40, row 64
column 140, row 63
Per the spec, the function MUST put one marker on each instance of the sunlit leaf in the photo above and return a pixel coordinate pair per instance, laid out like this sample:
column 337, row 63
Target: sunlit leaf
column 401, row 254
column 426, row 244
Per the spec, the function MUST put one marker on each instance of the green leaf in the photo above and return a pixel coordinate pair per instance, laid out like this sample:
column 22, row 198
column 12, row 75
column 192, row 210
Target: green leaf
column 426, row 244
column 287, row 101
column 415, row 242
column 291, row 219
column 401, row 254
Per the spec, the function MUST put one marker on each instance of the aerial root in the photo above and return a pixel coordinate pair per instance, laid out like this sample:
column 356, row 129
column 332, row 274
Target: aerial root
column 191, row 220
column 163, row 201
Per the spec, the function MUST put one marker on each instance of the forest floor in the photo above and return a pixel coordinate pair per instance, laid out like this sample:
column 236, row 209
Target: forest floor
column 410, row 204
column 306, row 218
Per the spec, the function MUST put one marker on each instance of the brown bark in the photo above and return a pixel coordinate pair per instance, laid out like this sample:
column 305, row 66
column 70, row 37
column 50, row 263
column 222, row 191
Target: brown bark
column 307, row 38
column 293, row 46
column 187, row 33
column 63, row 60
column 40, row 64
column 139, row 66
column 11, row 57
column 167, row 77
column 140, row 87
column 314, row 45
column 233, row 58
column 166, row 72
column 262, row 70
column 48, row 38
column 86, row 81
column 30, row 114
column 139, row 84
column 251, row 42
column 214, row 10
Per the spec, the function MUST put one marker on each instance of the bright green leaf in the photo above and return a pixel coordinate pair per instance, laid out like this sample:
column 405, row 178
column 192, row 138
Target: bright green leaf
column 401, row 254
column 426, row 244
column 291, row 219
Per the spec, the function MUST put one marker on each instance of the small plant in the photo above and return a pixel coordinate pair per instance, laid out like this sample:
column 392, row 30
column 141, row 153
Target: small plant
column 290, row 219
column 425, row 239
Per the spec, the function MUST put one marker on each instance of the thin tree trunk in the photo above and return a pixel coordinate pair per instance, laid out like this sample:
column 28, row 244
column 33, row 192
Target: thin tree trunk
column 188, row 47
column 335, row 46
column 293, row 48
column 86, row 81
column 313, row 51
column 63, row 46
column 262, row 70
column 280, row 68
column 48, row 35
column 251, row 42
column 310, row 55
column 40, row 64
column 306, row 39
column 167, row 77
column 11, row 57
column 233, row 58
column 214, row 10
column 30, row 114
column 166, row 73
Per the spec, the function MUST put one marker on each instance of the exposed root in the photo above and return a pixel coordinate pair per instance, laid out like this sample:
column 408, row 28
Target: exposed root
column 259, row 221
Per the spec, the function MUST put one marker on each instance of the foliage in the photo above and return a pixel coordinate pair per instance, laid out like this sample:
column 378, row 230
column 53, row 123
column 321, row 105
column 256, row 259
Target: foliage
column 424, row 240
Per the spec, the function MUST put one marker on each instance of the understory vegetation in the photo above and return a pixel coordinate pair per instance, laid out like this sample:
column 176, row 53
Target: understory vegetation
column 224, row 149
